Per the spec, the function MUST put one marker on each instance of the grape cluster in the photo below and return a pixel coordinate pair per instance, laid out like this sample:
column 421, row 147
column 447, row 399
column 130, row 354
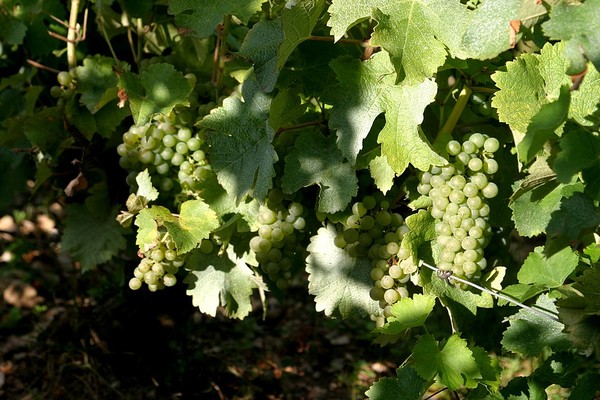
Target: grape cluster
column 374, row 232
column 278, row 240
column 158, row 266
column 459, row 194
column 170, row 151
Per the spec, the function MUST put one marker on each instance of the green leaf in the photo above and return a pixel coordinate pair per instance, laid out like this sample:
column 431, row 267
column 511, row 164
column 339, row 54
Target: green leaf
column 145, row 187
column 92, row 234
column 340, row 283
column 579, row 26
column 521, row 292
column 421, row 230
column 453, row 364
column 261, row 45
column 13, row 31
column 406, row 28
column 221, row 280
column 382, row 173
column 201, row 17
column 457, row 299
column 156, row 90
column 408, row 313
column 528, row 83
column 485, row 32
column 97, row 82
column 241, row 151
column 576, row 217
column 585, row 100
column 315, row 159
column 587, row 386
column 407, row 382
column 14, row 173
column 489, row 369
column 588, row 287
column 373, row 82
column 550, row 271
column 196, row 221
column 298, row 19
column 530, row 333
column 148, row 221
column 580, row 150
column 532, row 211
column 45, row 129
column 544, row 124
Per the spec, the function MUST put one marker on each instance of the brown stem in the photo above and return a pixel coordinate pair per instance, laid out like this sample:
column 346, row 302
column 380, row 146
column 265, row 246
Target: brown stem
column 42, row 66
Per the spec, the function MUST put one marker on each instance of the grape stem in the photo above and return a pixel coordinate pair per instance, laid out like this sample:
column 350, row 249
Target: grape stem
column 457, row 110
column 446, row 275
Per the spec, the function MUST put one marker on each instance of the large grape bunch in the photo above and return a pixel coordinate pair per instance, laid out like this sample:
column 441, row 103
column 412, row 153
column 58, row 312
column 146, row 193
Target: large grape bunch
column 158, row 265
column 169, row 149
column 374, row 232
column 278, row 243
column 459, row 194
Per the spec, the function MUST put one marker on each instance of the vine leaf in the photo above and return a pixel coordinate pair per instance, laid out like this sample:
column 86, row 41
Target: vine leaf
column 196, row 221
column 147, row 222
column 453, row 363
column 145, row 188
column 261, row 45
column 156, row 90
column 544, row 123
column 382, row 173
column 241, row 151
column 579, row 153
column 373, row 83
column 582, row 38
column 201, row 17
column 315, row 159
column 421, row 230
column 528, row 83
column 576, row 217
column 221, row 280
column 96, row 82
column 406, row 28
column 297, row 21
column 530, row 333
column 407, row 381
column 533, row 210
column 340, row 283
column 408, row 313
column 92, row 234
column 551, row 271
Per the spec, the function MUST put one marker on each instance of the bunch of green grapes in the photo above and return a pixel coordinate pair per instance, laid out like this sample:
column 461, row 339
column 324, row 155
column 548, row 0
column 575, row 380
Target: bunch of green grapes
column 374, row 232
column 278, row 242
column 158, row 265
column 168, row 149
column 459, row 194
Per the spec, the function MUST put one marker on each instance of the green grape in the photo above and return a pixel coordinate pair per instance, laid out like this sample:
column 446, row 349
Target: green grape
column 169, row 280
column 359, row 209
column 491, row 145
column 477, row 139
column 490, row 190
column 475, row 164
column 391, row 296
column 383, row 218
column 369, row 202
column 169, row 140
column 377, row 274
column 453, row 148
column 64, row 78
column 490, row 166
column 135, row 283
column 181, row 148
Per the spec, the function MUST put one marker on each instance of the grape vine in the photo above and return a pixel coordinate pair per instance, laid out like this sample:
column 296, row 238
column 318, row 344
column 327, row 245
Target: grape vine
column 250, row 147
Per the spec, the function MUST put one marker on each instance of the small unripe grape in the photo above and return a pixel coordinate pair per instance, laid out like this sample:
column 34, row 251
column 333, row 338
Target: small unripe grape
column 453, row 148
column 135, row 283
column 387, row 282
column 477, row 139
column 491, row 145
column 490, row 191
column 369, row 202
column 64, row 78
column 169, row 140
column 184, row 134
column 391, row 296
column 169, row 280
